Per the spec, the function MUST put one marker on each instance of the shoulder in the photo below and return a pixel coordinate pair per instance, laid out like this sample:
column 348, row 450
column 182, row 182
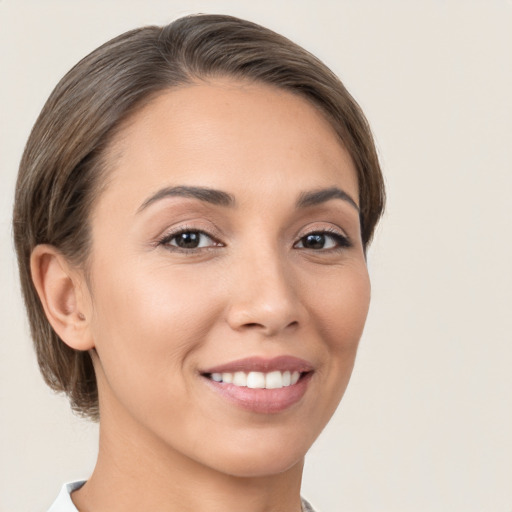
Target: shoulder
column 63, row 503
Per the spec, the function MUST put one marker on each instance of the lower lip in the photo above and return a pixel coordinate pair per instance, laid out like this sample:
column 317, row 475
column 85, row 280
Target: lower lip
column 262, row 401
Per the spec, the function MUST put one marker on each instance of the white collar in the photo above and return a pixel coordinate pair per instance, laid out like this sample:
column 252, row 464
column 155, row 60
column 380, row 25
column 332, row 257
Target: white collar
column 63, row 503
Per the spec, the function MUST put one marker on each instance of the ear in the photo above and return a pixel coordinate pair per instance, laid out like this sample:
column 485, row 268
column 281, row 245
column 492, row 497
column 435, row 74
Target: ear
column 64, row 296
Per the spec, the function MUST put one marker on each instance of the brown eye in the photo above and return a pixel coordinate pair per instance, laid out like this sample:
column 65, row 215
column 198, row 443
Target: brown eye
column 322, row 240
column 314, row 241
column 189, row 240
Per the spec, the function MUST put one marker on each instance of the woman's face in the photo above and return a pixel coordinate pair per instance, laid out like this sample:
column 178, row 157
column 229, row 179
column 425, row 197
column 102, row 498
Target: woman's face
column 226, row 256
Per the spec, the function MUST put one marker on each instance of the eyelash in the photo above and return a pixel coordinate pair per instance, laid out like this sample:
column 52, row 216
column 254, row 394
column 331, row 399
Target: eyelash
column 166, row 241
column 341, row 241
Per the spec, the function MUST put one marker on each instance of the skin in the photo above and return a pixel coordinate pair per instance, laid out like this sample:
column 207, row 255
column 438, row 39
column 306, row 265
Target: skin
column 154, row 315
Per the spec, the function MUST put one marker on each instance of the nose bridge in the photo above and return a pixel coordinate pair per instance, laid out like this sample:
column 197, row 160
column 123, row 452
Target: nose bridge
column 263, row 295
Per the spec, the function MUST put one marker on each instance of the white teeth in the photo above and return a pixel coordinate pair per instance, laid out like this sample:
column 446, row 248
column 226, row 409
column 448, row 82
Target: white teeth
column 258, row 380
column 274, row 380
column 240, row 379
column 227, row 377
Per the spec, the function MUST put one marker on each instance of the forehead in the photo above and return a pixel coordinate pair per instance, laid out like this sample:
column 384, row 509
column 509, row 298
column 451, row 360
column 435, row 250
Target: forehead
column 228, row 135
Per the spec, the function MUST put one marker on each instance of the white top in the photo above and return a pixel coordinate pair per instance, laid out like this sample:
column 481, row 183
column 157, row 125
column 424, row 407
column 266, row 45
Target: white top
column 63, row 503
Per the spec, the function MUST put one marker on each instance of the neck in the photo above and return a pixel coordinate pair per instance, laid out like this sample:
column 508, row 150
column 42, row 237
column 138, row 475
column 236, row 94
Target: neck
column 136, row 472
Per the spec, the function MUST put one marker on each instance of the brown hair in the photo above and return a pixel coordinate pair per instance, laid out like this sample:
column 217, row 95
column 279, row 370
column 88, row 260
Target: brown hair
column 62, row 164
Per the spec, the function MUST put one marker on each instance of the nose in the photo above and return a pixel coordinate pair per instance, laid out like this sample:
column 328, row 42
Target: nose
column 264, row 296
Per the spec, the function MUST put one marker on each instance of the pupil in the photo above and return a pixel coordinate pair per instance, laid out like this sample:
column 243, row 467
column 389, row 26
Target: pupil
column 315, row 241
column 188, row 240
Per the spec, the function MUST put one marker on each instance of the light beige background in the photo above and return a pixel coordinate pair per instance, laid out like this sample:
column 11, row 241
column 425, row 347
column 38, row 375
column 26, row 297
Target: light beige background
column 426, row 424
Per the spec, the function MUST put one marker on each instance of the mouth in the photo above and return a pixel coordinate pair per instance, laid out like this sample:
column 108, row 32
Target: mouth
column 258, row 380
column 261, row 385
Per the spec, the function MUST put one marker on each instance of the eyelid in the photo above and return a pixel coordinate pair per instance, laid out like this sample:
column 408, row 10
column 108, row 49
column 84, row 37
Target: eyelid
column 342, row 239
column 321, row 228
column 168, row 235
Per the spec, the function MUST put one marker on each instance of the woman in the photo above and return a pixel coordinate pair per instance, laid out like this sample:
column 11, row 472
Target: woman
column 192, row 215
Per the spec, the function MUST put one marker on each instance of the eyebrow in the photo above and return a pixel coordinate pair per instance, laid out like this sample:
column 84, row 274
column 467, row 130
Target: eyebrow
column 221, row 198
column 316, row 197
column 209, row 195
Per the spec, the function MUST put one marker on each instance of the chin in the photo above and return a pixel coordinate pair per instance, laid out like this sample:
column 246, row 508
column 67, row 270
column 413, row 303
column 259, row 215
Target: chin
column 259, row 459
column 257, row 467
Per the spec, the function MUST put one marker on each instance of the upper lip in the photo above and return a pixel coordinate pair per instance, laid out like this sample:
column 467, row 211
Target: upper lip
column 264, row 365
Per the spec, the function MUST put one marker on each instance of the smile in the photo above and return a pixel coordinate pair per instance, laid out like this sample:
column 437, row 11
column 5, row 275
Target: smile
column 258, row 380
column 260, row 385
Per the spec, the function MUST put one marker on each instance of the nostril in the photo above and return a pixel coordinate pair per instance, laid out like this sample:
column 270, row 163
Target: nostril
column 253, row 325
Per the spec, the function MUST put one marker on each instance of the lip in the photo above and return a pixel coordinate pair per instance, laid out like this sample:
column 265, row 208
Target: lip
column 262, row 364
column 261, row 401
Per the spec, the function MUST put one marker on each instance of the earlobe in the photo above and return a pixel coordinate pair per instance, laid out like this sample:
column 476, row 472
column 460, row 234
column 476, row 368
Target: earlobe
column 60, row 289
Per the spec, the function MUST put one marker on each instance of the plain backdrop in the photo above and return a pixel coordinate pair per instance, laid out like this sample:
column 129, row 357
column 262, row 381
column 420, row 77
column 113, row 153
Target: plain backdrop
column 426, row 424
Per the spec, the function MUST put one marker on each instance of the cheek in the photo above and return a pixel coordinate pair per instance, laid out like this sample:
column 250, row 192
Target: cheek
column 150, row 321
column 341, row 305
column 340, row 308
